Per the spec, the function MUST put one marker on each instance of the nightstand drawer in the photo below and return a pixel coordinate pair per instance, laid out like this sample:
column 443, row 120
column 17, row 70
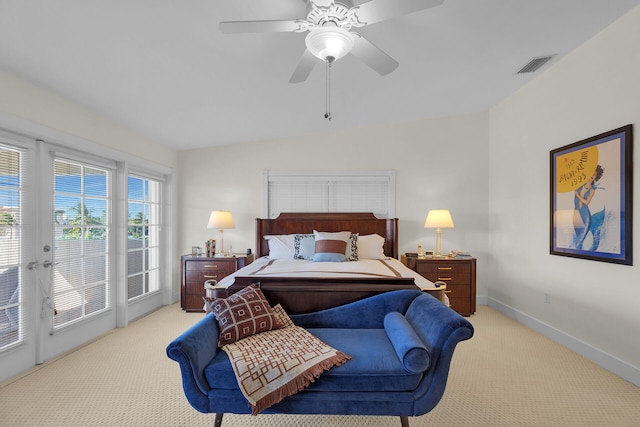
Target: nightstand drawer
column 458, row 291
column 461, row 305
column 210, row 266
column 449, row 273
column 204, row 275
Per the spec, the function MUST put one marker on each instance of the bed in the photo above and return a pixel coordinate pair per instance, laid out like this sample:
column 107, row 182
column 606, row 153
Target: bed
column 303, row 286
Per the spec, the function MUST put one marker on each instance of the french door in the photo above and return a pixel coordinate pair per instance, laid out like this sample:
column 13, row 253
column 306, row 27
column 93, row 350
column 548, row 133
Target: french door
column 56, row 269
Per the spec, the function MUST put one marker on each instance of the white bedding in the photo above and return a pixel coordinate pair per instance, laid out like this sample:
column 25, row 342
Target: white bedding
column 266, row 267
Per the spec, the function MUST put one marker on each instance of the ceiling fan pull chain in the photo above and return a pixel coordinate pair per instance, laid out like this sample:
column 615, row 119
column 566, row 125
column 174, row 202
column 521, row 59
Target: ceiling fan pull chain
column 327, row 114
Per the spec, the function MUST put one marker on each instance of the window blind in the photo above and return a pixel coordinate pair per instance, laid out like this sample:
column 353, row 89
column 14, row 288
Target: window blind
column 12, row 181
column 82, row 218
column 330, row 191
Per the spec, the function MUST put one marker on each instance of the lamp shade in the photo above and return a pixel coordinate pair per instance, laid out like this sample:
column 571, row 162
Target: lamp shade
column 221, row 220
column 438, row 219
column 329, row 42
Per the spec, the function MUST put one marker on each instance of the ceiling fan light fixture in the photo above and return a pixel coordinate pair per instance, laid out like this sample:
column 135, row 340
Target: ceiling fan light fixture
column 329, row 42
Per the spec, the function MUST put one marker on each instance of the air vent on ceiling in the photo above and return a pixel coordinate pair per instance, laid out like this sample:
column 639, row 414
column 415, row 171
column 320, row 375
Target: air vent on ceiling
column 535, row 64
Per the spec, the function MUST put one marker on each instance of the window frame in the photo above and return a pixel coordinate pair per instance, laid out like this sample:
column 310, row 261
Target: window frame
column 148, row 204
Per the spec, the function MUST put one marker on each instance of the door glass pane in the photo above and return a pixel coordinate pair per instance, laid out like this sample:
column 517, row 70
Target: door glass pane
column 11, row 325
column 143, row 236
column 81, row 229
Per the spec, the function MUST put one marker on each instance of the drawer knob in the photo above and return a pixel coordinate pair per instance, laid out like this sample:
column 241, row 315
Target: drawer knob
column 445, row 268
column 444, row 279
column 210, row 266
column 211, row 277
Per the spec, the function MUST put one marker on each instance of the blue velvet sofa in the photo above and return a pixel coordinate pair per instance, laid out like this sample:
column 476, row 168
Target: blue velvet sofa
column 401, row 344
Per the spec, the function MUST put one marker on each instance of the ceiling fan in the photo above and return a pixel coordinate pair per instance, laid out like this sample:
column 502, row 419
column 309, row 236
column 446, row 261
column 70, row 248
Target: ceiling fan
column 329, row 23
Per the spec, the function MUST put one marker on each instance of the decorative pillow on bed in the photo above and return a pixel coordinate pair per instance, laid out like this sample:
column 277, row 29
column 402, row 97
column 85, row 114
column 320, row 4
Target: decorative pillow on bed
column 245, row 313
column 281, row 246
column 371, row 246
column 352, row 248
column 304, row 246
column 331, row 247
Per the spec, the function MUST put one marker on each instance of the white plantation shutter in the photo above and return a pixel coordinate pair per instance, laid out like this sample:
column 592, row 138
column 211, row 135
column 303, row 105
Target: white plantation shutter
column 292, row 196
column 330, row 191
column 360, row 196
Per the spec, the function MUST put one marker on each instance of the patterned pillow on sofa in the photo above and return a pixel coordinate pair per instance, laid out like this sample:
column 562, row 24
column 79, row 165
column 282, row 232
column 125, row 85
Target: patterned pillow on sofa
column 245, row 313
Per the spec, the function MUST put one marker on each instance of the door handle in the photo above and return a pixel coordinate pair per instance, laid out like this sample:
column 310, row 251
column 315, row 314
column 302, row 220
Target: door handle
column 35, row 264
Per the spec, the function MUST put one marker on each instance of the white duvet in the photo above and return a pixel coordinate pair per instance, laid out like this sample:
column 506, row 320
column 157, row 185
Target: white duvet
column 266, row 267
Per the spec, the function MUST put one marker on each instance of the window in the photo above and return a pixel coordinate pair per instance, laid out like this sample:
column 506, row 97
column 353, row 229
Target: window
column 82, row 212
column 143, row 236
column 11, row 187
column 330, row 191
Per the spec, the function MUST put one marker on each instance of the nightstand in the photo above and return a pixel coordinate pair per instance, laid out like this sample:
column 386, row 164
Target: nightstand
column 458, row 273
column 198, row 269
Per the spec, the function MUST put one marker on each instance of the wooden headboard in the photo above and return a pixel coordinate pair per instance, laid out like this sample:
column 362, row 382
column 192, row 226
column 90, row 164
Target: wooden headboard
column 304, row 223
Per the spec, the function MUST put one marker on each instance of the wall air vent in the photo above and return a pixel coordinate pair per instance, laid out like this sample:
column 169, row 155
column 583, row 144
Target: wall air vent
column 535, row 64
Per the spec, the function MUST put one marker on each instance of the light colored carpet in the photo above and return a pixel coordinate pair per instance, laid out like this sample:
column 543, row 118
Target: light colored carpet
column 506, row 375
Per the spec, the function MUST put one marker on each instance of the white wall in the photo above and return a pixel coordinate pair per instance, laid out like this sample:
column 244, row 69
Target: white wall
column 42, row 114
column 594, row 305
column 440, row 163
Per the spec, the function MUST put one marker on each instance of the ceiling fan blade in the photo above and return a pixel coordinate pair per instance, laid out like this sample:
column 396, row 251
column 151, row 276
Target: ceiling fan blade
column 380, row 10
column 304, row 67
column 233, row 27
column 371, row 55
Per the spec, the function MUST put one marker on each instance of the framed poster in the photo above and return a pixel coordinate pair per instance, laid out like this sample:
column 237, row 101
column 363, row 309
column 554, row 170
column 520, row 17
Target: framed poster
column 591, row 198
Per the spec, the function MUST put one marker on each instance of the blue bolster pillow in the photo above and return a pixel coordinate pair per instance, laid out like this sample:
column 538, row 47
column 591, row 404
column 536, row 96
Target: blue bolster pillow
column 409, row 347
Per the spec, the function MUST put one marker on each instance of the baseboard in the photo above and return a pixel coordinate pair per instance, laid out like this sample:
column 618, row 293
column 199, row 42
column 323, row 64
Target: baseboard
column 599, row 357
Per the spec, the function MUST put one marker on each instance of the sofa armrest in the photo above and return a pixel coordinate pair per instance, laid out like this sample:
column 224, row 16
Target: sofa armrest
column 193, row 350
column 441, row 329
column 364, row 314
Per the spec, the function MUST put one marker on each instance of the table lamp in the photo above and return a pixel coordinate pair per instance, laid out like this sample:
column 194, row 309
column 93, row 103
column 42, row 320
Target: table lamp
column 438, row 219
column 221, row 220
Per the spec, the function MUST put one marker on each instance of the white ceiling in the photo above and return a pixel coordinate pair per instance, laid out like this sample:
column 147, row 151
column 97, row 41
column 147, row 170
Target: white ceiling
column 163, row 69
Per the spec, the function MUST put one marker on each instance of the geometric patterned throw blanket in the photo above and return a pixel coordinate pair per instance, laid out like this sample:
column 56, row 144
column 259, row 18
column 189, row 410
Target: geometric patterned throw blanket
column 275, row 364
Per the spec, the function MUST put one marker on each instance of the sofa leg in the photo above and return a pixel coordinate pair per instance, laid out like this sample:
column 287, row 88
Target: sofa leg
column 404, row 421
column 218, row 421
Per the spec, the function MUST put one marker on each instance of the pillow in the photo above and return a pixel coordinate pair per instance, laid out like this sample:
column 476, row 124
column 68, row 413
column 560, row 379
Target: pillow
column 408, row 346
column 371, row 246
column 304, row 246
column 245, row 313
column 282, row 316
column 352, row 248
column 330, row 247
column 281, row 246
